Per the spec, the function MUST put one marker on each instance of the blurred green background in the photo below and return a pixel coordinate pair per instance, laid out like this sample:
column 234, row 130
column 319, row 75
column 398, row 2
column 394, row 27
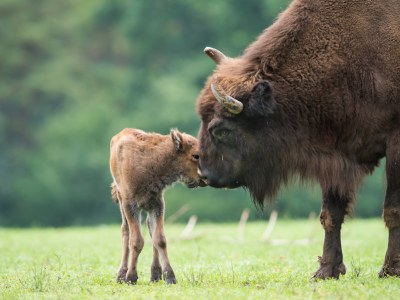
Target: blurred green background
column 73, row 73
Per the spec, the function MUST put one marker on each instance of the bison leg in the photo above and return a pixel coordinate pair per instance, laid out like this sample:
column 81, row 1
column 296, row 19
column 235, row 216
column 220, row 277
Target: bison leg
column 156, row 225
column 332, row 216
column 391, row 208
column 136, row 241
column 156, row 273
column 125, row 247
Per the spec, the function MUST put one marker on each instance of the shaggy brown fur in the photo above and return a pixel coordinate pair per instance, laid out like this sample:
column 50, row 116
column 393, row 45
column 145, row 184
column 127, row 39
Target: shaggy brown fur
column 321, row 100
column 142, row 166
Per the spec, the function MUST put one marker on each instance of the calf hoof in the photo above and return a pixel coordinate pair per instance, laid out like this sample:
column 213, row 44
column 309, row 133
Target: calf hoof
column 170, row 280
column 131, row 278
column 169, row 277
column 329, row 270
column 156, row 274
column 121, row 275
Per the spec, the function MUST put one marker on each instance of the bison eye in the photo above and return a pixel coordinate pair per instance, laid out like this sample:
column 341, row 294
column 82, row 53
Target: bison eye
column 223, row 132
column 223, row 135
column 195, row 157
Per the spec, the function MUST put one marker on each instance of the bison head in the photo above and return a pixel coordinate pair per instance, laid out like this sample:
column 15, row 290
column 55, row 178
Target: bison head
column 239, row 135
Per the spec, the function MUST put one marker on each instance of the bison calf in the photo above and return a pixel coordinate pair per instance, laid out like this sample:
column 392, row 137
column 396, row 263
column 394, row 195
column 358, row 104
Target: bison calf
column 142, row 166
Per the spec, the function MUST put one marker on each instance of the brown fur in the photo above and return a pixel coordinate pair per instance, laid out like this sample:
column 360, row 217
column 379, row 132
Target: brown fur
column 321, row 97
column 392, row 217
column 326, row 220
column 143, row 165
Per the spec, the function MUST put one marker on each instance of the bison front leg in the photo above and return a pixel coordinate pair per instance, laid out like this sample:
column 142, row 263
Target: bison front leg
column 156, row 225
column 332, row 216
column 391, row 208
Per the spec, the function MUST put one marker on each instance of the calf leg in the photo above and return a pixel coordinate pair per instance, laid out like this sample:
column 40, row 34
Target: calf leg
column 136, row 241
column 332, row 216
column 156, row 225
column 125, row 247
column 391, row 208
column 156, row 272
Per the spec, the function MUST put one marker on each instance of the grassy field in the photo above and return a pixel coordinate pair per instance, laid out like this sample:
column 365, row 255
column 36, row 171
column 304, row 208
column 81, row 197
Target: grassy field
column 81, row 263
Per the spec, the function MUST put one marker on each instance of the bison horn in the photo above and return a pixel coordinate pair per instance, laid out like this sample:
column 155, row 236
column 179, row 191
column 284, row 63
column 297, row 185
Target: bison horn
column 216, row 55
column 231, row 104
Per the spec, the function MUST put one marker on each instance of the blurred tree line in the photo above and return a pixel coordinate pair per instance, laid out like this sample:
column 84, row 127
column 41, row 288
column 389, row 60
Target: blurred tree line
column 73, row 73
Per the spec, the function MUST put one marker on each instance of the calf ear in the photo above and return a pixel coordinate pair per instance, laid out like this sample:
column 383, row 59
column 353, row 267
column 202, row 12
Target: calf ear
column 261, row 102
column 177, row 139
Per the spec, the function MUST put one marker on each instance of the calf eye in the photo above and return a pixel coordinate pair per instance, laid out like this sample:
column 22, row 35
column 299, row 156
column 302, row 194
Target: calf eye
column 195, row 157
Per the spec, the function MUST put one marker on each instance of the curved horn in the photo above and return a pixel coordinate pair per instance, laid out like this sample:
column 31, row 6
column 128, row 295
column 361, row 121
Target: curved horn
column 216, row 55
column 231, row 104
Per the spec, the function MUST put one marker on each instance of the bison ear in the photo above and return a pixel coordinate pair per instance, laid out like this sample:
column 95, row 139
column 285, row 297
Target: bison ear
column 177, row 139
column 261, row 102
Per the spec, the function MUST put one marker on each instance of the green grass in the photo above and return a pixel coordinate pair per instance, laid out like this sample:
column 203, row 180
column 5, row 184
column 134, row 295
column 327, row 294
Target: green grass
column 81, row 263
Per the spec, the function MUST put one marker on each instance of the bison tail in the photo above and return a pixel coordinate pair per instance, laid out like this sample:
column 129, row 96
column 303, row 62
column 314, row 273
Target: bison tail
column 114, row 192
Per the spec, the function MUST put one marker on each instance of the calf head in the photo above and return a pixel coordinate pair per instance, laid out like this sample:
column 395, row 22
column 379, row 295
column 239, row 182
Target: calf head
column 187, row 158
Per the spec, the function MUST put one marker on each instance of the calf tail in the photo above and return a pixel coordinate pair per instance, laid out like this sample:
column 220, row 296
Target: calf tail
column 114, row 192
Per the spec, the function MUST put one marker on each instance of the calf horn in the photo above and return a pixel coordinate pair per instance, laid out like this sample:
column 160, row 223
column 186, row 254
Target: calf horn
column 231, row 104
column 216, row 55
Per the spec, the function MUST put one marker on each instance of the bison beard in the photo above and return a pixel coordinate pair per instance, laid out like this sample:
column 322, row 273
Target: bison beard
column 316, row 96
column 264, row 185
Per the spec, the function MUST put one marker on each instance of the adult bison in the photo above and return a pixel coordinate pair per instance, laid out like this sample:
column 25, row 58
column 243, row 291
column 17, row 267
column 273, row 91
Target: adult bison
column 316, row 96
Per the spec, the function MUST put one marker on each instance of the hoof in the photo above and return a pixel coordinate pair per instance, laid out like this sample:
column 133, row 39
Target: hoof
column 389, row 270
column 131, row 278
column 171, row 280
column 169, row 277
column 156, row 274
column 121, row 275
column 329, row 270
